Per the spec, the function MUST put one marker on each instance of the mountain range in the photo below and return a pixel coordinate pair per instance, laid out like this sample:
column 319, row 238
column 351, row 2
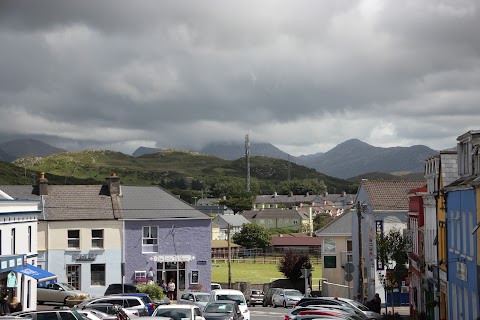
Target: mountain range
column 351, row 158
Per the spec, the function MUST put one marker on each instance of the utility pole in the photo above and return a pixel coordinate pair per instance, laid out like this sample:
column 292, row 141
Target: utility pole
column 360, row 251
column 229, row 257
column 247, row 159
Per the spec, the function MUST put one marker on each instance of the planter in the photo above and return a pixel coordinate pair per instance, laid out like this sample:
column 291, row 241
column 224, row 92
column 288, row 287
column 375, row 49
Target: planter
column 72, row 303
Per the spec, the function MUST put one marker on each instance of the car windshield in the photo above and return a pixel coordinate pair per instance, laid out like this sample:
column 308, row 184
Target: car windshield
column 240, row 299
column 219, row 308
column 294, row 293
column 257, row 292
column 66, row 286
column 202, row 297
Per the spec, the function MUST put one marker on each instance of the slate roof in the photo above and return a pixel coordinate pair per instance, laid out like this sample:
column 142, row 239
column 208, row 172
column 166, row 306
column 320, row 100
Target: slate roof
column 386, row 195
column 274, row 213
column 216, row 244
column 340, row 226
column 278, row 198
column 68, row 202
column 154, row 203
column 235, row 220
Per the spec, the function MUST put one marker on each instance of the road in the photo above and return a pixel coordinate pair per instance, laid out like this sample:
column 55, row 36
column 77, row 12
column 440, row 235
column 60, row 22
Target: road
column 263, row 313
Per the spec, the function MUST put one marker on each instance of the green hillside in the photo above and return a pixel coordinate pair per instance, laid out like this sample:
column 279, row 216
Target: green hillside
column 175, row 170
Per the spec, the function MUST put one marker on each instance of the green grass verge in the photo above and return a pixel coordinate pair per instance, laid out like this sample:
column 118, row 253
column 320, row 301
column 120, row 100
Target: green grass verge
column 255, row 273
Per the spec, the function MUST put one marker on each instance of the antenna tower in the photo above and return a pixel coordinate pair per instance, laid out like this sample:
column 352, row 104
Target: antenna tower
column 247, row 159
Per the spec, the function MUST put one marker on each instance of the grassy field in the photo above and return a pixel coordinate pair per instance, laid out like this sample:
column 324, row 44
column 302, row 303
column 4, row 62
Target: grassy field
column 255, row 273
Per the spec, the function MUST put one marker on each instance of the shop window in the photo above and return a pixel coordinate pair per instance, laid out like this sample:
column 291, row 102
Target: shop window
column 97, row 273
column 73, row 238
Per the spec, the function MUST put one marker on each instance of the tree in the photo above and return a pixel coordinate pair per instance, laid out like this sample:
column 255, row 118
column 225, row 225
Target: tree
column 392, row 252
column 236, row 197
column 321, row 219
column 297, row 186
column 292, row 263
column 252, row 235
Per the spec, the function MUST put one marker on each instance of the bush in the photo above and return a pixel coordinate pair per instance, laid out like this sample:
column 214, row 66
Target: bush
column 154, row 291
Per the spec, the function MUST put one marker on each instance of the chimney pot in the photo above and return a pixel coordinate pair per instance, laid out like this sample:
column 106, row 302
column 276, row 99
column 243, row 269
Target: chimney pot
column 113, row 183
column 42, row 185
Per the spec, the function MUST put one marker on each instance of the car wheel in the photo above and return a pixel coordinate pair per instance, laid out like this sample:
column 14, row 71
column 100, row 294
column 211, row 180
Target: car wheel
column 40, row 302
column 248, row 303
column 274, row 304
column 65, row 301
column 264, row 303
column 284, row 304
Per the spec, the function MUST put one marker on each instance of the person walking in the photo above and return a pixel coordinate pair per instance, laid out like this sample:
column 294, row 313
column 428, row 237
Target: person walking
column 163, row 284
column 171, row 289
column 377, row 303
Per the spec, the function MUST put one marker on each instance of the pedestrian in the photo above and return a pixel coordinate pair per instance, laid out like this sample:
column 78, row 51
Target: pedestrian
column 365, row 301
column 163, row 284
column 309, row 291
column 377, row 303
column 15, row 305
column 4, row 305
column 359, row 299
column 171, row 289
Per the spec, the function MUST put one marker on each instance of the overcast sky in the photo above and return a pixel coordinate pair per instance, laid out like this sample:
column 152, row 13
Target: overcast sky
column 302, row 75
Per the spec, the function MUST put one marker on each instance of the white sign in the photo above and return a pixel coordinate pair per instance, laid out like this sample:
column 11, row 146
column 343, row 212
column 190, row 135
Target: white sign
column 173, row 258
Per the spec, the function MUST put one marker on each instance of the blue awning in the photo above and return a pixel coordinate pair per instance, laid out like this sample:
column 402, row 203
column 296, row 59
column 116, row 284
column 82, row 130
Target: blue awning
column 43, row 276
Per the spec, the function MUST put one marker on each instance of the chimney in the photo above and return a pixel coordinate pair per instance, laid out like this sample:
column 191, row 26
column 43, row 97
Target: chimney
column 275, row 194
column 113, row 183
column 42, row 185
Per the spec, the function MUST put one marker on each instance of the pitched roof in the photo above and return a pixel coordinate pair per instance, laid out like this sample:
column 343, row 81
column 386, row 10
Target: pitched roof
column 342, row 225
column 235, row 220
column 279, row 198
column 295, row 240
column 274, row 213
column 385, row 195
column 154, row 203
column 69, row 202
column 217, row 244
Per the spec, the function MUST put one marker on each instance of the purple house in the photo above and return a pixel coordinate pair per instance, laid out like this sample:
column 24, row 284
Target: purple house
column 165, row 238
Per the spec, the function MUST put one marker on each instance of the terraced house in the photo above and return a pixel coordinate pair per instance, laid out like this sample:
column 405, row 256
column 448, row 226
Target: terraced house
column 89, row 234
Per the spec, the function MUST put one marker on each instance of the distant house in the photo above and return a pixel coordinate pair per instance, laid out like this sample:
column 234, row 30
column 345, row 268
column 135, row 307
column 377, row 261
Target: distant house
column 279, row 218
column 220, row 249
column 299, row 242
column 233, row 221
column 211, row 206
column 331, row 203
column 281, row 201
column 336, row 241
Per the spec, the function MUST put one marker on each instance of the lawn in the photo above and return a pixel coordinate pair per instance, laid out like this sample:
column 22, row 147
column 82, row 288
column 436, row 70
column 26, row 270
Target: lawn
column 255, row 273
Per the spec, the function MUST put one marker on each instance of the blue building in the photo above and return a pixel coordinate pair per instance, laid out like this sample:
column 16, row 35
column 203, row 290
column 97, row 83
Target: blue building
column 462, row 224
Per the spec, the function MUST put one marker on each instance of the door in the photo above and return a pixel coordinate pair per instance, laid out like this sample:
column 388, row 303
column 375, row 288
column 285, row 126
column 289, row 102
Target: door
column 73, row 275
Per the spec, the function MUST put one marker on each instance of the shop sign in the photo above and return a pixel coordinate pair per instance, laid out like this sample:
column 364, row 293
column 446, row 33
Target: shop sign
column 84, row 257
column 172, row 258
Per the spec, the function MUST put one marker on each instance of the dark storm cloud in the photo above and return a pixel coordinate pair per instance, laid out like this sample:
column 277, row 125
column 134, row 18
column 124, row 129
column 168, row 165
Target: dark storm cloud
column 304, row 75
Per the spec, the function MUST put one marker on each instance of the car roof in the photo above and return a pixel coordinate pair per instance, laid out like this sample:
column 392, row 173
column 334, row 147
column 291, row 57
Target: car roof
column 176, row 306
column 197, row 292
column 222, row 301
column 227, row 291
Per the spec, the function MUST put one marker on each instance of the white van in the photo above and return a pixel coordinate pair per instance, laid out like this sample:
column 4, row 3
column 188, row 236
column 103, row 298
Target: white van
column 234, row 295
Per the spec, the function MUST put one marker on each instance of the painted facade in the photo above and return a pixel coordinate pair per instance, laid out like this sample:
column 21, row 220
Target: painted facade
column 18, row 246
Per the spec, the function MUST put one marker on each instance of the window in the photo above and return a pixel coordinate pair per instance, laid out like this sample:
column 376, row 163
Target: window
column 12, row 242
column 74, row 238
column 140, row 275
column 330, row 262
column 295, row 221
column 1, row 243
column 262, row 221
column 97, row 272
column 29, row 239
column 270, row 221
column 329, row 245
column 97, row 238
column 150, row 239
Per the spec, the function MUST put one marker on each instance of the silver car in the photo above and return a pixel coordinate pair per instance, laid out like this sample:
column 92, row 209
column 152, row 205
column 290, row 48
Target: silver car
column 286, row 297
column 199, row 299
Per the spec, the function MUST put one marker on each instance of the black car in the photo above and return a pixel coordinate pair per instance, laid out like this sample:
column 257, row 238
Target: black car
column 222, row 310
column 267, row 297
column 116, row 288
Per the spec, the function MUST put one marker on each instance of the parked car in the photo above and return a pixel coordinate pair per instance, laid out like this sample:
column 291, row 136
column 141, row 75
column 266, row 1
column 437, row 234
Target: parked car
column 234, row 295
column 195, row 298
column 294, row 312
column 254, row 297
column 307, row 301
column 116, row 288
column 128, row 302
column 215, row 286
column 331, row 312
column 58, row 314
column 267, row 296
column 151, row 305
column 222, row 310
column 179, row 312
column 286, row 297
column 92, row 314
column 108, row 308
column 57, row 292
